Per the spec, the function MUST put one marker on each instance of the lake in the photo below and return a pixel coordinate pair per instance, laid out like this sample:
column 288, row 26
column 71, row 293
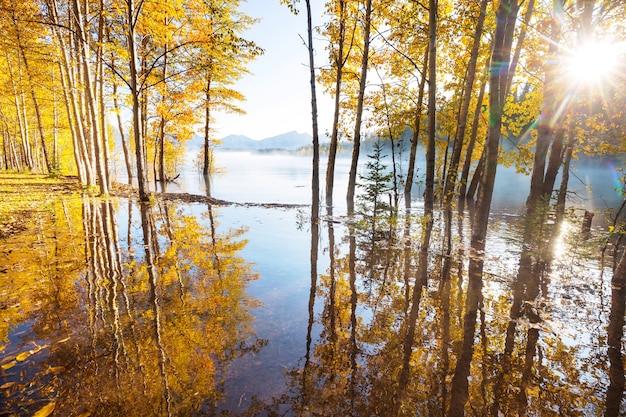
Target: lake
column 113, row 308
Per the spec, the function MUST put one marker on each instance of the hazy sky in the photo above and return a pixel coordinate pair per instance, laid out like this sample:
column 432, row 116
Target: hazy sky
column 278, row 95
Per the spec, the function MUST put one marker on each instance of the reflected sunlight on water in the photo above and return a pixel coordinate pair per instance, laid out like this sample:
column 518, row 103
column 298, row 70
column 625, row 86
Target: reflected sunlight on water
column 193, row 309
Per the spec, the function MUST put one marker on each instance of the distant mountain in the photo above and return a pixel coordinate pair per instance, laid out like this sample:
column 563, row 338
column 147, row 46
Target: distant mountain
column 287, row 141
column 238, row 142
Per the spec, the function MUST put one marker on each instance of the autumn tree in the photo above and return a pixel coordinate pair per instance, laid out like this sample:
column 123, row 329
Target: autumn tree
column 28, row 84
column 367, row 27
column 506, row 17
column 338, row 30
column 217, row 58
column 466, row 96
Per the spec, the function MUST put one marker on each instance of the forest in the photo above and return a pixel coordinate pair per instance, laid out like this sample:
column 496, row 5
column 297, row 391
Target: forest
column 471, row 87
column 549, row 84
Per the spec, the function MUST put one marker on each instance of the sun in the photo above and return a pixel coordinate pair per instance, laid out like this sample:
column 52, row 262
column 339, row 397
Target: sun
column 594, row 62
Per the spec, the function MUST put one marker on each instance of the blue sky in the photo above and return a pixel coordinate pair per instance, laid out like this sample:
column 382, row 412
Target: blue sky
column 278, row 97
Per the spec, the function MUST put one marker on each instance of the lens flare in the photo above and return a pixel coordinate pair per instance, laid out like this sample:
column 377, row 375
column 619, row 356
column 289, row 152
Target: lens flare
column 593, row 62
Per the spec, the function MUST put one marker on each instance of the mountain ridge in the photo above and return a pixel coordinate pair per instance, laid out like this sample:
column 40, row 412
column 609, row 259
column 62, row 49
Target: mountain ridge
column 289, row 141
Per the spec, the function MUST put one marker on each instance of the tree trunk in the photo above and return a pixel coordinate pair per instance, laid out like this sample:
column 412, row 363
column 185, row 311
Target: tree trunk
column 161, row 151
column 501, row 55
column 451, row 178
column 567, row 158
column 359, row 110
column 334, row 138
column 56, row 165
column 100, row 92
column 520, row 43
column 554, row 162
column 206, row 167
column 429, row 192
column 31, row 82
column 22, row 121
column 315, row 181
column 91, row 100
column 429, row 200
column 472, row 143
column 549, row 118
column 71, row 103
column 142, row 179
column 416, row 132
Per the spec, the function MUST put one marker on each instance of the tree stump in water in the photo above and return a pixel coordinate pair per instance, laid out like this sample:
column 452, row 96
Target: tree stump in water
column 587, row 220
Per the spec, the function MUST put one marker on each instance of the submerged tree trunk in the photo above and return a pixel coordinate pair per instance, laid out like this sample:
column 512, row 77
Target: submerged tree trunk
column 359, row 110
column 315, row 181
column 472, row 143
column 206, row 165
column 505, row 17
column 451, row 177
column 334, row 138
column 429, row 201
column 429, row 192
column 416, row 132
column 315, row 194
column 549, row 120
column 567, row 159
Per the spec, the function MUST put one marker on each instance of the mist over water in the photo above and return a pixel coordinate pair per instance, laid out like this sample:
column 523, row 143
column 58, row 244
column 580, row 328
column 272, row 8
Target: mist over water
column 278, row 177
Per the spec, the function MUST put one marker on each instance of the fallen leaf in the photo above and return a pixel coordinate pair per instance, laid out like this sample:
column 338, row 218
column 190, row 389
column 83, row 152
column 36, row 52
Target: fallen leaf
column 46, row 410
column 23, row 356
column 56, row 369
column 8, row 365
column 7, row 385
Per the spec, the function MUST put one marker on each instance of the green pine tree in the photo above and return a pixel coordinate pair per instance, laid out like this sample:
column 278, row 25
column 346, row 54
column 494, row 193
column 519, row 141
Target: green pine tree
column 374, row 203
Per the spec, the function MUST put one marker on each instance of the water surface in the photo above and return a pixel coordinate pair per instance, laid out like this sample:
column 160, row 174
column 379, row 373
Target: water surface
column 112, row 308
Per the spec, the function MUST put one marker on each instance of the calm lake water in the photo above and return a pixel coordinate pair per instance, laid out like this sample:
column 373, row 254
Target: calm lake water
column 110, row 308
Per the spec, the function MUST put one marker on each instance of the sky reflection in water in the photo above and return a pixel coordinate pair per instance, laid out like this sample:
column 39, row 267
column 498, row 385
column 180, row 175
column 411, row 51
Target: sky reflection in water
column 197, row 310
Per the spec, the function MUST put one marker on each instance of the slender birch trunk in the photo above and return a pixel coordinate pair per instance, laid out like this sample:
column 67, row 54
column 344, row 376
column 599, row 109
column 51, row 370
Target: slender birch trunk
column 359, row 111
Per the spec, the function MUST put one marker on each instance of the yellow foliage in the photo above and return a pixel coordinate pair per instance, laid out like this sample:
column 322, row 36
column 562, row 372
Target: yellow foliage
column 46, row 410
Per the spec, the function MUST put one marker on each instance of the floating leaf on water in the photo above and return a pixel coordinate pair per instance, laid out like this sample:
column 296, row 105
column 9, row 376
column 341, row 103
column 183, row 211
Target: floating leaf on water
column 8, row 365
column 23, row 356
column 7, row 385
column 46, row 410
column 56, row 369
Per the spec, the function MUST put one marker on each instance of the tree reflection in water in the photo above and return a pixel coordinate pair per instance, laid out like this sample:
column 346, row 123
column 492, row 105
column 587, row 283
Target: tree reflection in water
column 149, row 323
column 146, row 329
column 524, row 357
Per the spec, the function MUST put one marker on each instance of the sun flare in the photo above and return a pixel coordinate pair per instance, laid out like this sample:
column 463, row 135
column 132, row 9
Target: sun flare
column 593, row 62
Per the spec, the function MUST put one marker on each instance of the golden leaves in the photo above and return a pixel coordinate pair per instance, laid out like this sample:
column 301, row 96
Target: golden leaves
column 11, row 361
column 46, row 410
column 23, row 356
